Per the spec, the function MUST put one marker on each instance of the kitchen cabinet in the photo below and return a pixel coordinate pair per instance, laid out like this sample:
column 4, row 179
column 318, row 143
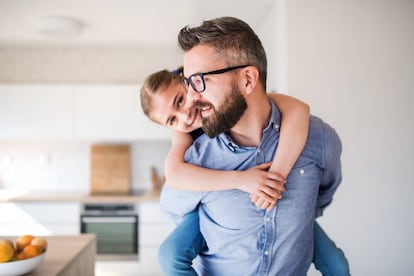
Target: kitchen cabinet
column 36, row 111
column 113, row 112
column 91, row 112
column 52, row 218
column 56, row 213
column 154, row 227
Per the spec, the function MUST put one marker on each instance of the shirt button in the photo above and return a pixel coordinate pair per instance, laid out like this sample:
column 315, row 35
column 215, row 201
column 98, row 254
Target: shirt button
column 266, row 252
column 267, row 219
column 302, row 171
column 259, row 151
column 276, row 126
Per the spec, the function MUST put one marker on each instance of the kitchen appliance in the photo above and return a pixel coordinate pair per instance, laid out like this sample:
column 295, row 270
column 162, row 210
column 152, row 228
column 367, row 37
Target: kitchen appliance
column 110, row 169
column 116, row 229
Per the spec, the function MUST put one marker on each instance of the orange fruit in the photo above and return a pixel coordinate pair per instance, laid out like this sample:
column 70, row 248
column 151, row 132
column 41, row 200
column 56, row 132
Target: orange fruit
column 22, row 241
column 40, row 243
column 6, row 251
column 30, row 251
column 9, row 242
column 19, row 257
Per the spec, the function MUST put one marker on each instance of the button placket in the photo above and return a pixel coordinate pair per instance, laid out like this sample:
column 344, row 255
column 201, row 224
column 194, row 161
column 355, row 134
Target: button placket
column 259, row 156
column 269, row 224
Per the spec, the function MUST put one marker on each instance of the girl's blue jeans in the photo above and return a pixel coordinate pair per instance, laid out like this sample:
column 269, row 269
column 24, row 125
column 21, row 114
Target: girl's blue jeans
column 177, row 252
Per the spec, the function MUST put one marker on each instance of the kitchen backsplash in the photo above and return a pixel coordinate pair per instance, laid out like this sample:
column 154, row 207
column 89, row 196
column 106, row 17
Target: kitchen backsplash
column 65, row 165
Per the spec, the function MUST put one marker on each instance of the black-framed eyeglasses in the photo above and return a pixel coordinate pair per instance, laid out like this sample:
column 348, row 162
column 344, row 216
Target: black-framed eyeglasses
column 197, row 80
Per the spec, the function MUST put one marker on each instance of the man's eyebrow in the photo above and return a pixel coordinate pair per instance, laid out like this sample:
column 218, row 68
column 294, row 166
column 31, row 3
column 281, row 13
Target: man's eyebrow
column 173, row 104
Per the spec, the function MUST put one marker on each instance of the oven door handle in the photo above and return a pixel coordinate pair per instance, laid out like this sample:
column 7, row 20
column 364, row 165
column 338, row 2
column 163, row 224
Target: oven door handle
column 109, row 219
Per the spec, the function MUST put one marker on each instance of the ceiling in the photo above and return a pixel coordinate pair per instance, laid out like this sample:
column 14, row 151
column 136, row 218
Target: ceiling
column 136, row 23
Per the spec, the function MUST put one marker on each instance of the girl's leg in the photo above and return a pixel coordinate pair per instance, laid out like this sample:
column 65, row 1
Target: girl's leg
column 328, row 259
column 177, row 252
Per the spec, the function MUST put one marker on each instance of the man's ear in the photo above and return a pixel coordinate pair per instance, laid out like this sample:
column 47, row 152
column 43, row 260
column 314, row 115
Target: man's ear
column 250, row 78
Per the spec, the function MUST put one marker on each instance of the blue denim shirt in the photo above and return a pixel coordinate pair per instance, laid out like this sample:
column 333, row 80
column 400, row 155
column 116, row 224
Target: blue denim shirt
column 243, row 239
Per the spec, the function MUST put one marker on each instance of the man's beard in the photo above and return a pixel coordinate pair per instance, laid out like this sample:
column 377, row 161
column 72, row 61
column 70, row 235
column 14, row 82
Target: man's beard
column 227, row 116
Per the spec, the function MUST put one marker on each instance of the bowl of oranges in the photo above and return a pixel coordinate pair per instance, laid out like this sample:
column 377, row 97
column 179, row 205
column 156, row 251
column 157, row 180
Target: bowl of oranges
column 22, row 256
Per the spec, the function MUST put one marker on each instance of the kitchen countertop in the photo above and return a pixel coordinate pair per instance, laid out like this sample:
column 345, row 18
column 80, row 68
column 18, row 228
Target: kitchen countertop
column 75, row 196
column 67, row 255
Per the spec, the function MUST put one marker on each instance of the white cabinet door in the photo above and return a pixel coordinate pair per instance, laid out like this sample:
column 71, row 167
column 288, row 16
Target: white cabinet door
column 113, row 113
column 35, row 111
column 39, row 218
column 154, row 227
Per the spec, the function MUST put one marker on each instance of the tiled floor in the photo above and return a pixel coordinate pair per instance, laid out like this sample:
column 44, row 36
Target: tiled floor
column 145, row 265
column 131, row 268
column 125, row 268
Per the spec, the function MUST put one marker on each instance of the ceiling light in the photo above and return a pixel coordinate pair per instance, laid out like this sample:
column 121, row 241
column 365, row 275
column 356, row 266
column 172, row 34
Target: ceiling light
column 59, row 26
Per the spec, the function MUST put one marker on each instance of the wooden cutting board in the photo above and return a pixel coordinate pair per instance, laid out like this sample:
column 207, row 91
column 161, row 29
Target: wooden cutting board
column 110, row 169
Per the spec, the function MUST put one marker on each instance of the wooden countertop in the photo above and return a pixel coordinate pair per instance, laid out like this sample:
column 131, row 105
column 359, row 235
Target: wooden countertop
column 67, row 255
column 73, row 196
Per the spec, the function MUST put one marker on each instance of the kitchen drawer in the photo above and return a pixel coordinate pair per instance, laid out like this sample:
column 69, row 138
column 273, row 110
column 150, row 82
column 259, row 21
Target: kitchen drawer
column 151, row 212
column 63, row 229
column 153, row 234
column 39, row 218
column 37, row 229
column 47, row 212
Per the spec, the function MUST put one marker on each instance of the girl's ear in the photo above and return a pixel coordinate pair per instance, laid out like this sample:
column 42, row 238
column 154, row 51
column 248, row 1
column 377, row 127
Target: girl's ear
column 250, row 78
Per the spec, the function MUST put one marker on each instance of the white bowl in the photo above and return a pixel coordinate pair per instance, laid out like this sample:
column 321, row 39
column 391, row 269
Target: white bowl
column 20, row 267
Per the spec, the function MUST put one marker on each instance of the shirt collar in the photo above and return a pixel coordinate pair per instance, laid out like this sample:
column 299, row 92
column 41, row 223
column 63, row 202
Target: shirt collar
column 275, row 118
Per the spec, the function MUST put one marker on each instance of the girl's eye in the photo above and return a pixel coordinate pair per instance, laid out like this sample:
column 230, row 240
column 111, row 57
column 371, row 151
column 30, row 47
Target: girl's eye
column 172, row 121
column 180, row 101
column 185, row 82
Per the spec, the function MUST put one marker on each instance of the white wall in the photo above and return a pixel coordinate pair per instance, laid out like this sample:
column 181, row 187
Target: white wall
column 65, row 165
column 353, row 62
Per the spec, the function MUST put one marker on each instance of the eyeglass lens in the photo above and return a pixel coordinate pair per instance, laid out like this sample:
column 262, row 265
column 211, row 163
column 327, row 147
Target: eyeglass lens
column 197, row 82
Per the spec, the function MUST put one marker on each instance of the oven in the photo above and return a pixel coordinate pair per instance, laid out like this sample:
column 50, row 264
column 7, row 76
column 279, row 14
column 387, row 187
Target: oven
column 115, row 227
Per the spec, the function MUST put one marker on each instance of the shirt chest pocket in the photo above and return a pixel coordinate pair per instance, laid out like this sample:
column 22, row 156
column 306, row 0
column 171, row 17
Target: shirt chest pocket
column 232, row 210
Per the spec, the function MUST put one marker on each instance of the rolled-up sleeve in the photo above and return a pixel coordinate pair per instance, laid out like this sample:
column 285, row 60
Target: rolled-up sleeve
column 177, row 203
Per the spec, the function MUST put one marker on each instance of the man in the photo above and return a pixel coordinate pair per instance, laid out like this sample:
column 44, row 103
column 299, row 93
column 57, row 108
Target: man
column 225, row 69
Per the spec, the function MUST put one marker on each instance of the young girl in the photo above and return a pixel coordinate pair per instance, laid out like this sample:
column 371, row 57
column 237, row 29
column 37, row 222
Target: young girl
column 163, row 98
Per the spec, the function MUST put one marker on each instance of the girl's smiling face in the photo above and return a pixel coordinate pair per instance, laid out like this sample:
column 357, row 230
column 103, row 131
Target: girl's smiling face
column 171, row 108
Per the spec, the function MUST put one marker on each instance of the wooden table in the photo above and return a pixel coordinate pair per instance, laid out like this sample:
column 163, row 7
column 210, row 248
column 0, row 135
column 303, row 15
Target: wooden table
column 68, row 256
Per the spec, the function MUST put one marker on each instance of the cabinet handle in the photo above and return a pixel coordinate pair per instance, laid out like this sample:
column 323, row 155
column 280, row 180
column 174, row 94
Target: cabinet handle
column 109, row 219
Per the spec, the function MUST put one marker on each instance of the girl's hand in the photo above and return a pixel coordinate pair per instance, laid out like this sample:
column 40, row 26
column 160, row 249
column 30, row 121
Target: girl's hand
column 263, row 204
column 264, row 187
